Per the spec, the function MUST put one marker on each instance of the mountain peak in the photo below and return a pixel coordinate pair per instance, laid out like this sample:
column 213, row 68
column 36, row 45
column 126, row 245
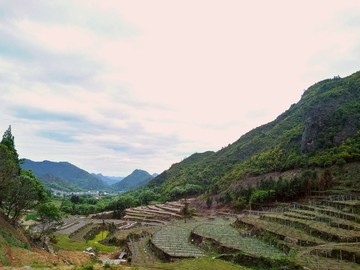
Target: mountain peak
column 136, row 179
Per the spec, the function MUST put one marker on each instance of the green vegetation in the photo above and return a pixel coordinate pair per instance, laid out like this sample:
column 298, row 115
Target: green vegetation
column 173, row 240
column 320, row 131
column 21, row 190
column 10, row 239
column 226, row 236
column 48, row 215
column 31, row 216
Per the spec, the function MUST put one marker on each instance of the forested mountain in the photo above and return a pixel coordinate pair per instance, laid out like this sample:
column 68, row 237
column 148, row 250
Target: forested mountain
column 136, row 179
column 321, row 130
column 63, row 175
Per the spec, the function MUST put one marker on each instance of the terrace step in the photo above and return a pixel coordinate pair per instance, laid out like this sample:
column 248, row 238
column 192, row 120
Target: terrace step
column 330, row 211
column 297, row 215
column 320, row 229
column 173, row 242
column 169, row 209
column 331, row 220
column 141, row 219
column 127, row 225
column 162, row 211
column 139, row 213
column 228, row 240
column 153, row 211
column 288, row 234
column 175, row 204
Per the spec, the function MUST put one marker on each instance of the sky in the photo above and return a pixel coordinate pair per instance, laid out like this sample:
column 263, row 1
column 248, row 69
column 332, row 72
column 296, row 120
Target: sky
column 118, row 85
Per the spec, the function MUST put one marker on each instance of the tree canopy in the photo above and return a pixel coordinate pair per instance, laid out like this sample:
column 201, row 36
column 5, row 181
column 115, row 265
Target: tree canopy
column 20, row 189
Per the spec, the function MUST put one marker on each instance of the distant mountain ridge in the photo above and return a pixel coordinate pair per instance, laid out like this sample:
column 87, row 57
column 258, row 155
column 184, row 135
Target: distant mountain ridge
column 109, row 180
column 136, row 179
column 68, row 177
column 63, row 175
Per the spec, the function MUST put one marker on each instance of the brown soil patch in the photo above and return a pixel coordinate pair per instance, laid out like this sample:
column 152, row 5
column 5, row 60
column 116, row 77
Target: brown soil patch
column 74, row 257
column 37, row 257
column 42, row 258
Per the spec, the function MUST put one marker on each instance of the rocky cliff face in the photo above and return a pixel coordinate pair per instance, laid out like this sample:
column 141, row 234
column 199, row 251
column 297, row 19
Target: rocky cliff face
column 333, row 118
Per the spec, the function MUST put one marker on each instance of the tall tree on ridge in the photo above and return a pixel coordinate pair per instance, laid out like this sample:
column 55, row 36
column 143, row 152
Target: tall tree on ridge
column 9, row 141
column 9, row 164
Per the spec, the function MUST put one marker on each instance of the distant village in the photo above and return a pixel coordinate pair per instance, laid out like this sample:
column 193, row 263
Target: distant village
column 95, row 193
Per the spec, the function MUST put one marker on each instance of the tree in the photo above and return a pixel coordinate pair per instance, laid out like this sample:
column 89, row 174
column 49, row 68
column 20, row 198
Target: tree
column 185, row 210
column 9, row 163
column 25, row 192
column 147, row 196
column 9, row 142
column 75, row 199
column 261, row 196
column 120, row 205
column 49, row 216
column 209, row 202
column 8, row 171
column 326, row 180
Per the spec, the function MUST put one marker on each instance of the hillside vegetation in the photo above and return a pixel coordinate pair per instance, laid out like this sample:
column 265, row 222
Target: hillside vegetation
column 320, row 131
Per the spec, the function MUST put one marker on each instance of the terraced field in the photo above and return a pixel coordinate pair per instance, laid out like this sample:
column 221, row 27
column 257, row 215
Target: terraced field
column 158, row 214
column 173, row 240
column 229, row 237
column 323, row 236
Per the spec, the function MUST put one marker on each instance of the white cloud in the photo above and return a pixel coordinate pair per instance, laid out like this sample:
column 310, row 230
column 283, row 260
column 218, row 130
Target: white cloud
column 57, row 38
column 117, row 85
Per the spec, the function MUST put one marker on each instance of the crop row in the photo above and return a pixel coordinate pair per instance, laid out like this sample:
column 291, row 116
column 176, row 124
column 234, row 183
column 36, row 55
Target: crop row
column 174, row 241
column 229, row 237
column 330, row 211
column 319, row 229
column 331, row 220
column 281, row 231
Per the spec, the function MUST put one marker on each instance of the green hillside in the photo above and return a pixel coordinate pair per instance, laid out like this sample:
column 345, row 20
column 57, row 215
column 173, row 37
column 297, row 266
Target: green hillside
column 320, row 131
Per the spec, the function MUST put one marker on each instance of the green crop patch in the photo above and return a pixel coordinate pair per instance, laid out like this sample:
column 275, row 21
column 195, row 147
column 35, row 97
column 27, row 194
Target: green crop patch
column 229, row 237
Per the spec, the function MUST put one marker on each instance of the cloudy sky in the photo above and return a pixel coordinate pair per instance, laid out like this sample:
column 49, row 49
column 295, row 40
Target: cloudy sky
column 112, row 86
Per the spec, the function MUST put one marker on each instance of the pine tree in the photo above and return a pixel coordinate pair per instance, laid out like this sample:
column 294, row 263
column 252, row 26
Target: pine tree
column 9, row 164
column 9, row 141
